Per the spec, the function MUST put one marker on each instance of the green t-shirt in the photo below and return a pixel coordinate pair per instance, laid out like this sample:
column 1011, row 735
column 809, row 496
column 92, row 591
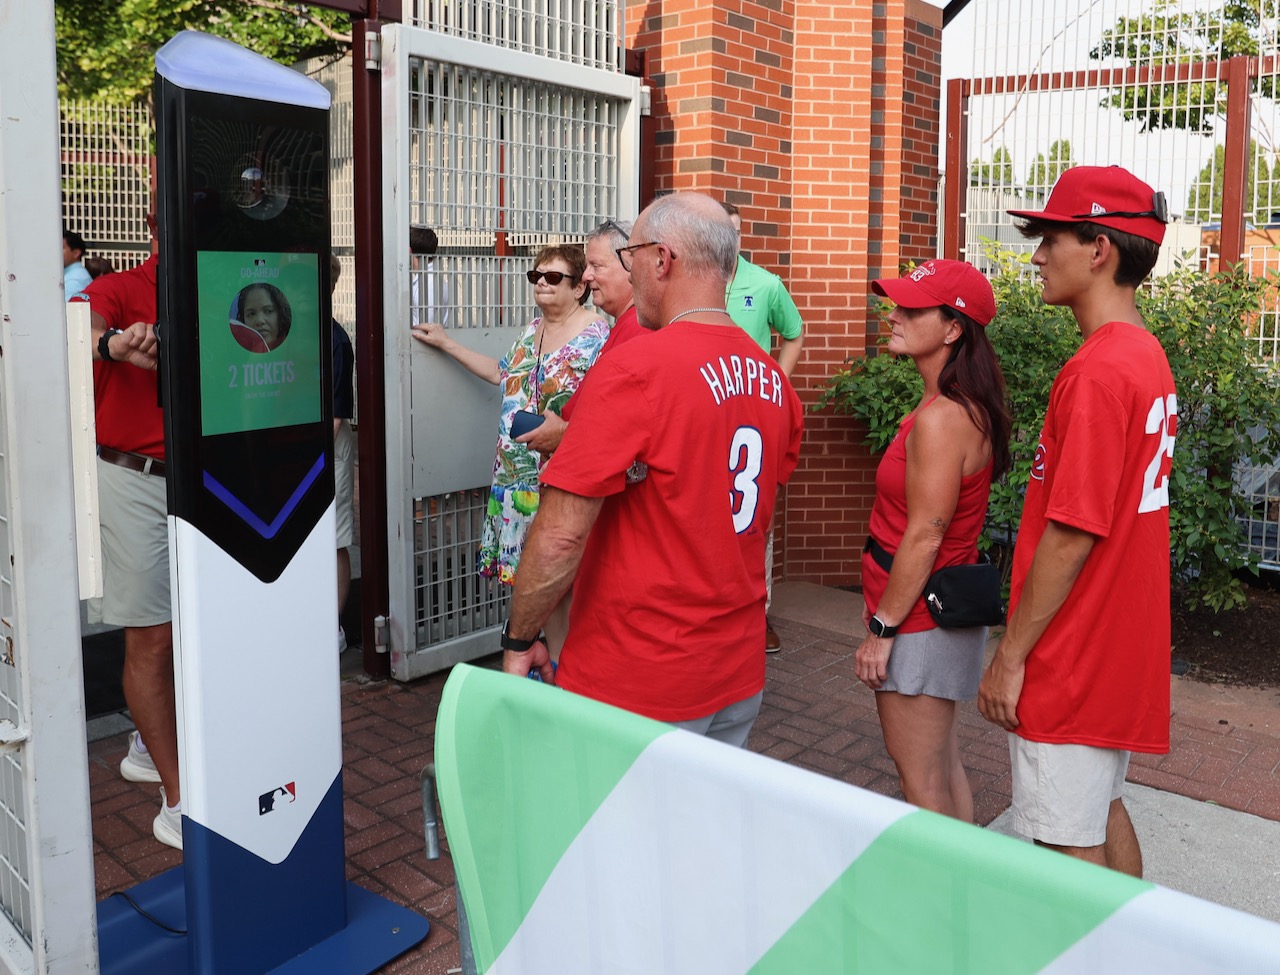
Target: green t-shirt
column 758, row 302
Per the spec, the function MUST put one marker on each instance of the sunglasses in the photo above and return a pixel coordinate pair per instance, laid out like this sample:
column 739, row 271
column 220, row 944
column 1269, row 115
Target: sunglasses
column 552, row 278
column 1159, row 210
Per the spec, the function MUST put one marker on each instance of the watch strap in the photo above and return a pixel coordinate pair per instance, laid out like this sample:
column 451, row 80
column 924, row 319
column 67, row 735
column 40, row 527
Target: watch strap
column 509, row 642
column 104, row 344
column 880, row 628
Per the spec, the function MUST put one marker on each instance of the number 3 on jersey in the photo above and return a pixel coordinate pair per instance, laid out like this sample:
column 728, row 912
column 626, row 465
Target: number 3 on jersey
column 746, row 454
column 1162, row 419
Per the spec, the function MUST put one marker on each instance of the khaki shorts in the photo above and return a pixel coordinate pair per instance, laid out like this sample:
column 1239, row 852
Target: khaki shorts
column 135, row 549
column 344, row 484
column 1062, row 794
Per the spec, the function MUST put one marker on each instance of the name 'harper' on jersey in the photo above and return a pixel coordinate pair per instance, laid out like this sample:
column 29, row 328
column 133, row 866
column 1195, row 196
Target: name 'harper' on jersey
column 743, row 376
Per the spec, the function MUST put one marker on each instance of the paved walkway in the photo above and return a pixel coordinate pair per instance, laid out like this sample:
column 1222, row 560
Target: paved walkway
column 1225, row 748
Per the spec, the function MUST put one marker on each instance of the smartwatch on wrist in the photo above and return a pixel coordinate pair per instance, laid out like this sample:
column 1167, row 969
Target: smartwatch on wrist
column 104, row 344
column 880, row 628
column 508, row 642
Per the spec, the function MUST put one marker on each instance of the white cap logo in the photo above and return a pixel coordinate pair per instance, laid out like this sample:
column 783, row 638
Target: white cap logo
column 960, row 303
column 923, row 271
column 1097, row 208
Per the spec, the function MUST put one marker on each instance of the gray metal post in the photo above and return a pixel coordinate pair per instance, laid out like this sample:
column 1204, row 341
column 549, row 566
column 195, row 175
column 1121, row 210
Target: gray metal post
column 46, row 877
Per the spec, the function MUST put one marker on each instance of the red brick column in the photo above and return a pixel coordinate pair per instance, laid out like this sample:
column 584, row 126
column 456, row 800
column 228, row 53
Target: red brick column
column 819, row 120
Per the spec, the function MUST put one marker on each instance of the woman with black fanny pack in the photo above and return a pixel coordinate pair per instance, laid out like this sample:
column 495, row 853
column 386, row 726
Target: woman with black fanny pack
column 931, row 500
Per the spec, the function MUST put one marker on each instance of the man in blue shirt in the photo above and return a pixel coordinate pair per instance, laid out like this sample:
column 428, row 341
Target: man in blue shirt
column 74, row 276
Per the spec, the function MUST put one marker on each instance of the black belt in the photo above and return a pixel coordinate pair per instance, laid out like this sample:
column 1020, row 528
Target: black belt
column 879, row 555
column 134, row 462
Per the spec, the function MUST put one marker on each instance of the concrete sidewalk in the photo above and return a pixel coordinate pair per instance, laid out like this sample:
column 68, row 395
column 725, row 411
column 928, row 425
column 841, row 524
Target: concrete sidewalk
column 1208, row 819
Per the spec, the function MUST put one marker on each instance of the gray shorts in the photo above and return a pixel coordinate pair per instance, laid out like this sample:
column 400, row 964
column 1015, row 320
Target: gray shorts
column 731, row 724
column 344, row 484
column 135, row 549
column 939, row 663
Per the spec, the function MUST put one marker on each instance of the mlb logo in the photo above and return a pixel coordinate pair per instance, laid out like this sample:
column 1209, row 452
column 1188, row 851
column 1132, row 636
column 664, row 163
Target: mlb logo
column 286, row 793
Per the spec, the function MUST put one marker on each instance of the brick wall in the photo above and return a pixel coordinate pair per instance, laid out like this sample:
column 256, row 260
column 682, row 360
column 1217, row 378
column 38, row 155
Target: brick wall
column 820, row 120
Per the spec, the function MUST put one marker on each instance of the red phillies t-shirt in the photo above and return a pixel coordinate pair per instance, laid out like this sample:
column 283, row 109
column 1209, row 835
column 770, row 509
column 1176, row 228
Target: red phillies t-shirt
column 668, row 606
column 626, row 328
column 126, row 408
column 1100, row 673
column 889, row 524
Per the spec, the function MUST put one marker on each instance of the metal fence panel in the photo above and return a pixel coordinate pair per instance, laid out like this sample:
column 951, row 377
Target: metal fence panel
column 1068, row 82
column 585, row 32
column 106, row 152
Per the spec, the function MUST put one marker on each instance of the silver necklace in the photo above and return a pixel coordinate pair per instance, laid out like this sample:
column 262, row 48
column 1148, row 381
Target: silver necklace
column 694, row 311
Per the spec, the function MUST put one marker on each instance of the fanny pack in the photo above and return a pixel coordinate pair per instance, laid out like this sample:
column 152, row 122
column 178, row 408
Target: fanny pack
column 957, row 596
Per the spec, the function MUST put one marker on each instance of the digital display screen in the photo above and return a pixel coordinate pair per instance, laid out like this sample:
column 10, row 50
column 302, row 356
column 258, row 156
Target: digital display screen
column 260, row 356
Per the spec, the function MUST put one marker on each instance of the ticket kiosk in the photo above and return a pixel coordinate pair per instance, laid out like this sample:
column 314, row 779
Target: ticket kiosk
column 243, row 216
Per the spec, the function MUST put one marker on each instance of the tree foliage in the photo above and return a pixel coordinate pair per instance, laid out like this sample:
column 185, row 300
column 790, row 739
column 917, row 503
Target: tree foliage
column 1046, row 170
column 997, row 173
column 1168, row 35
column 107, row 50
column 1262, row 195
column 1228, row 406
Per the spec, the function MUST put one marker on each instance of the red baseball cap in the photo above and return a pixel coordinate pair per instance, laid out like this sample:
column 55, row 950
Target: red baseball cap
column 956, row 284
column 1107, row 195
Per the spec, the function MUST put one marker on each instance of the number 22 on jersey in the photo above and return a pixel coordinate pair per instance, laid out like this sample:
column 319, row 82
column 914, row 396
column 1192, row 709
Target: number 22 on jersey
column 1162, row 422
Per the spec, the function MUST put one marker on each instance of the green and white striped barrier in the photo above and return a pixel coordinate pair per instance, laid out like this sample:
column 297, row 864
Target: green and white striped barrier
column 590, row 840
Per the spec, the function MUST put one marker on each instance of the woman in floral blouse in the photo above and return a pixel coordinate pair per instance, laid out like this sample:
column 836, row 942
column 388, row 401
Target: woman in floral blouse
column 540, row 373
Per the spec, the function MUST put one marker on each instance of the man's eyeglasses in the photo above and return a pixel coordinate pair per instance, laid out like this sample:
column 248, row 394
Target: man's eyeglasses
column 1159, row 210
column 552, row 278
column 625, row 253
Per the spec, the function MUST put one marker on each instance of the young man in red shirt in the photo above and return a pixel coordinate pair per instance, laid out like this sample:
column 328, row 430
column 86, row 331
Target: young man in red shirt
column 668, row 609
column 1081, row 676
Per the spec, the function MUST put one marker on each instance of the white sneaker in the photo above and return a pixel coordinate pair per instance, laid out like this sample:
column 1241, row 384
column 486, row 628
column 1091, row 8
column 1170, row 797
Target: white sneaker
column 138, row 766
column 167, row 827
column 342, row 639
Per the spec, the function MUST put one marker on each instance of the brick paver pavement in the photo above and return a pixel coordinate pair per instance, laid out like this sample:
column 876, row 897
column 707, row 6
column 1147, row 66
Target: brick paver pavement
column 815, row 715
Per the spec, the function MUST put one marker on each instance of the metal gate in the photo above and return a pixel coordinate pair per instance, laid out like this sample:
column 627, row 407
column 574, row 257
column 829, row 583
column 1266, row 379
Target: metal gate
column 500, row 147
column 1182, row 93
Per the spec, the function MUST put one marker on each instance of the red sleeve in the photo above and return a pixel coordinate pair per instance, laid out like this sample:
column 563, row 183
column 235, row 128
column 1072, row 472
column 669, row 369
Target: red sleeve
column 106, row 299
column 612, row 426
column 1089, row 445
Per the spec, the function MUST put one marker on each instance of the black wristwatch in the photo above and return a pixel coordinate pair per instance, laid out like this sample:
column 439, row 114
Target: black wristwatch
column 508, row 642
column 880, row 628
column 104, row 348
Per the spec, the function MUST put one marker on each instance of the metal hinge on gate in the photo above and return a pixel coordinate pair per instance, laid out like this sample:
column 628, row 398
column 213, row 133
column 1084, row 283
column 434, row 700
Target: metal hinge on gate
column 646, row 100
column 380, row 634
column 11, row 736
column 372, row 52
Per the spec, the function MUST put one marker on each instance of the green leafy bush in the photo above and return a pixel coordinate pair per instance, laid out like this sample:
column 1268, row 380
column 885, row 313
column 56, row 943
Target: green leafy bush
column 1224, row 391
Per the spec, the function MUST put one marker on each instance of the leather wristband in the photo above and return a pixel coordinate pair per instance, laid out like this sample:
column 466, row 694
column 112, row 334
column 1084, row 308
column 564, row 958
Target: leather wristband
column 509, row 642
column 104, row 344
